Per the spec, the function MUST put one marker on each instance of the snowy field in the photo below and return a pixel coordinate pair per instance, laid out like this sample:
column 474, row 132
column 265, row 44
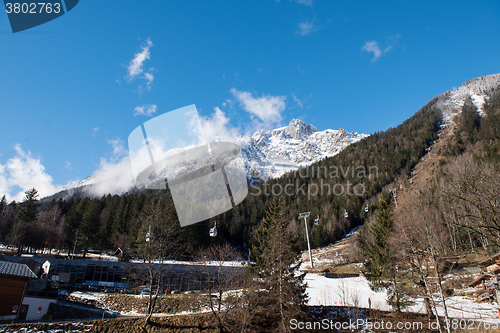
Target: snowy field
column 343, row 292
column 356, row 292
column 76, row 327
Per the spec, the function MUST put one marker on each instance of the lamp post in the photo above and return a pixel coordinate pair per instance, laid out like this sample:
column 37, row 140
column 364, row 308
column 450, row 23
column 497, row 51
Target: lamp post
column 305, row 216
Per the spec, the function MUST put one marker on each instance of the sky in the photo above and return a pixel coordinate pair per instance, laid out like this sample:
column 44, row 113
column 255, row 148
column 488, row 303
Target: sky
column 73, row 89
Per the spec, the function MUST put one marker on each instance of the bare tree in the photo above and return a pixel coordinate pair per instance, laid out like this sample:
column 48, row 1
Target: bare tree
column 421, row 236
column 157, row 241
column 472, row 199
column 49, row 228
column 217, row 264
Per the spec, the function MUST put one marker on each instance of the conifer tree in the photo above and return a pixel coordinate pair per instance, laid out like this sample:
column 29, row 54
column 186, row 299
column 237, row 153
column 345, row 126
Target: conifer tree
column 89, row 227
column 27, row 216
column 29, row 206
column 3, row 204
column 279, row 293
column 380, row 267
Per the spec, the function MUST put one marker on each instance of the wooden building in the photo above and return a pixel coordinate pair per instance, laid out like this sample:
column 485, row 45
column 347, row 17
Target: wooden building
column 14, row 279
column 487, row 282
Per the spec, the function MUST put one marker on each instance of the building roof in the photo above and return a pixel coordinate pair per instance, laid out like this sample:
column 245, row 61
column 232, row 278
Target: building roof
column 16, row 269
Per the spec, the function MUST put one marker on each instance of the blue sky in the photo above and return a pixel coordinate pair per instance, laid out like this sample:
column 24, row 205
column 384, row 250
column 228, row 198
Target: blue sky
column 73, row 89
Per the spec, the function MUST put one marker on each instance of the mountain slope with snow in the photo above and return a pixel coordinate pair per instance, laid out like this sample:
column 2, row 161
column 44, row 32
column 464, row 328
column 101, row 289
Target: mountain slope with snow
column 270, row 154
column 478, row 89
column 273, row 153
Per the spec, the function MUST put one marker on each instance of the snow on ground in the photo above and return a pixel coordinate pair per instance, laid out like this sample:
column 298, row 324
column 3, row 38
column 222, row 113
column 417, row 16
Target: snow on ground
column 195, row 263
column 477, row 89
column 102, row 256
column 343, row 292
column 462, row 308
column 4, row 247
column 88, row 296
column 352, row 291
column 77, row 327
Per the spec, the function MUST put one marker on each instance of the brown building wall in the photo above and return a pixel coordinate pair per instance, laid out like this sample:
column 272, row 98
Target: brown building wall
column 11, row 293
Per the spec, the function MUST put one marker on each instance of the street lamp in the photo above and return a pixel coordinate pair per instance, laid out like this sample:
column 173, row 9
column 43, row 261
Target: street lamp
column 305, row 216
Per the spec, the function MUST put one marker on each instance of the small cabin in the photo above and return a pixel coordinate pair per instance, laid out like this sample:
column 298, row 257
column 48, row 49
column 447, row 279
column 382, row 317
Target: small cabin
column 488, row 280
column 14, row 279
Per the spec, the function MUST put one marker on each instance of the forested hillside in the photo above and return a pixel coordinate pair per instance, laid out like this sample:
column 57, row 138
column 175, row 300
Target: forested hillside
column 336, row 190
column 451, row 210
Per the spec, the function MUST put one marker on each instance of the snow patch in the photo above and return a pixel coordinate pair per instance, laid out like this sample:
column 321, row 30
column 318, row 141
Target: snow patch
column 478, row 89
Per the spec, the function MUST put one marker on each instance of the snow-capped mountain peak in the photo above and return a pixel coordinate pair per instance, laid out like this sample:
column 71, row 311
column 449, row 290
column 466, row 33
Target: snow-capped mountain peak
column 270, row 154
column 299, row 130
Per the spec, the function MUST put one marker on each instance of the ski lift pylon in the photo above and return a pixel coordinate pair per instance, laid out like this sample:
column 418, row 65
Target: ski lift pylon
column 213, row 231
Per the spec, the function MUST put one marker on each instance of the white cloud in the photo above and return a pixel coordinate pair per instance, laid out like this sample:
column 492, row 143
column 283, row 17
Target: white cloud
column 306, row 27
column 267, row 108
column 118, row 147
column 150, row 78
column 216, row 127
column 112, row 177
column 145, row 110
column 298, row 101
column 114, row 174
column 304, row 2
column 23, row 171
column 374, row 47
column 94, row 131
column 135, row 65
column 68, row 165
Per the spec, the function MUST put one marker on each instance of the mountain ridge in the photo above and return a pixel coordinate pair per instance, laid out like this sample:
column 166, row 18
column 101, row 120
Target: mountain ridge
column 271, row 154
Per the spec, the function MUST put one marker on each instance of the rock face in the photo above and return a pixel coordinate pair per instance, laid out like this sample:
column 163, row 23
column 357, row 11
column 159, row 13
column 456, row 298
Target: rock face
column 299, row 130
column 270, row 154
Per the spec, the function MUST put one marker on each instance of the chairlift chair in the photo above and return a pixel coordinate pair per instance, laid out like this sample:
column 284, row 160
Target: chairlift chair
column 213, row 231
column 149, row 236
column 316, row 222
